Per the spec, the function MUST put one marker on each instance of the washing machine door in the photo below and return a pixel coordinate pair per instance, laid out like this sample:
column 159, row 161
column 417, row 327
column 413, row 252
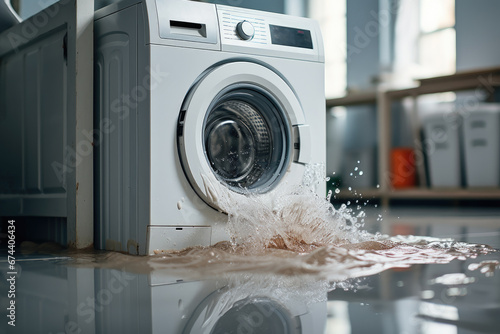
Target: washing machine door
column 242, row 123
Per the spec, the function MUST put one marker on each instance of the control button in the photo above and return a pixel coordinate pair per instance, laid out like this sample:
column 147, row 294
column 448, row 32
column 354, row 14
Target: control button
column 245, row 30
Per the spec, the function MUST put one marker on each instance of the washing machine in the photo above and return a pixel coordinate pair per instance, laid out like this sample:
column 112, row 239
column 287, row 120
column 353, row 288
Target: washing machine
column 188, row 91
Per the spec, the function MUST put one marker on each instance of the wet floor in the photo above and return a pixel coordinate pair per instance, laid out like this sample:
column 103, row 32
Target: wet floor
column 462, row 296
column 344, row 289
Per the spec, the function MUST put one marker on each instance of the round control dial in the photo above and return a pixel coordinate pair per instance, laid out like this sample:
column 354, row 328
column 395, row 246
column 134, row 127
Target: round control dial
column 245, row 30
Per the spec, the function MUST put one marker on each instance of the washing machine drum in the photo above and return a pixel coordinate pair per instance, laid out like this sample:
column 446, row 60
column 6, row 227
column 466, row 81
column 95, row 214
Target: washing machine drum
column 246, row 138
column 237, row 124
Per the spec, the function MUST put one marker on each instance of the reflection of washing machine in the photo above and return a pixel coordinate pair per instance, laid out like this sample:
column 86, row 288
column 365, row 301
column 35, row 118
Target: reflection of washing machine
column 192, row 307
column 186, row 89
column 259, row 315
column 56, row 296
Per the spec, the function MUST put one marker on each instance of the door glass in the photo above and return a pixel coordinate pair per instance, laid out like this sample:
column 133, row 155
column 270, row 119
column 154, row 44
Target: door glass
column 246, row 138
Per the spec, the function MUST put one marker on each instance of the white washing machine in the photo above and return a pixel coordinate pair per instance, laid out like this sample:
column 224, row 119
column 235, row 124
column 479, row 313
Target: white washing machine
column 186, row 90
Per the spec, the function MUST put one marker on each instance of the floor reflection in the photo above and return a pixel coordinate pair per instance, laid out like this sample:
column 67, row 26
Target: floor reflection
column 458, row 297
column 54, row 297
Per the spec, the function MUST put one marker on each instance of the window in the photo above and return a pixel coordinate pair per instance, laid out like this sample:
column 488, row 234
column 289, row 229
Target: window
column 425, row 44
column 331, row 16
column 437, row 41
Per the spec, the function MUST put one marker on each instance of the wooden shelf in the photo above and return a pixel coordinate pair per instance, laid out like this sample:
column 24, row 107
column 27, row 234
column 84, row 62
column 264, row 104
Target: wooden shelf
column 460, row 193
column 421, row 193
column 358, row 194
column 485, row 78
column 353, row 99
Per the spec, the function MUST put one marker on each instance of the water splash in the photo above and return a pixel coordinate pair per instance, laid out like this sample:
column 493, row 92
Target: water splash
column 293, row 231
column 290, row 218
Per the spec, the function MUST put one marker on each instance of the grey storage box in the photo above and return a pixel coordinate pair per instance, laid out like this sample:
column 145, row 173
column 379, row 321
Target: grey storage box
column 481, row 129
column 442, row 147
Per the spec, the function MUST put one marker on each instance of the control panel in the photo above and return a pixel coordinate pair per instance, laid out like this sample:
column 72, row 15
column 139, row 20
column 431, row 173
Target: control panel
column 256, row 32
column 239, row 30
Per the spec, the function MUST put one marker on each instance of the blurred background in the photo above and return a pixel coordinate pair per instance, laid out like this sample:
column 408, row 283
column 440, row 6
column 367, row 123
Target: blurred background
column 413, row 122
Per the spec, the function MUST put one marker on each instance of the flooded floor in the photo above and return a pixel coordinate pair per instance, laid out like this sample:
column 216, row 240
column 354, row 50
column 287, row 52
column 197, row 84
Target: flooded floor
column 447, row 282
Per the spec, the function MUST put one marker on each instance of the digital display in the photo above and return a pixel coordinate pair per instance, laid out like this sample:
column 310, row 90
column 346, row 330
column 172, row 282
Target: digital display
column 291, row 37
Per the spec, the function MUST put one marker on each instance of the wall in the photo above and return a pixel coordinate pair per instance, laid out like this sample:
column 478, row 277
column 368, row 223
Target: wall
column 370, row 54
column 477, row 26
column 28, row 8
column 363, row 67
column 363, row 55
column 277, row 6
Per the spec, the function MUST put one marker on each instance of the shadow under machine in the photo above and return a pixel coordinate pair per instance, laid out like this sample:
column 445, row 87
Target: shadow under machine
column 188, row 90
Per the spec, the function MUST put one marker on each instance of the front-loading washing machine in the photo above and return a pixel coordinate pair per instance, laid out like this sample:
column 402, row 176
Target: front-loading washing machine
column 185, row 91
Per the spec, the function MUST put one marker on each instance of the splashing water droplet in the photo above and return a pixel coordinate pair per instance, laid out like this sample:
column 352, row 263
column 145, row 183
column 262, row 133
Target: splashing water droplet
column 329, row 196
column 337, row 190
column 360, row 172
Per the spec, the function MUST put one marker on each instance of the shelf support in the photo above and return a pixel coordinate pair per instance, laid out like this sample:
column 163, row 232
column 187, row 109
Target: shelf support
column 384, row 144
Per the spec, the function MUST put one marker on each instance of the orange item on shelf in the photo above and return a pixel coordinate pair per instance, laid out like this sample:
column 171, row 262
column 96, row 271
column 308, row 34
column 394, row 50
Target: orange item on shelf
column 403, row 170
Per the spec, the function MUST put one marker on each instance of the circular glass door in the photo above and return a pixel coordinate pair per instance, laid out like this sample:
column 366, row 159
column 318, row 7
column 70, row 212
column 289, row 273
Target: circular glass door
column 236, row 124
column 246, row 139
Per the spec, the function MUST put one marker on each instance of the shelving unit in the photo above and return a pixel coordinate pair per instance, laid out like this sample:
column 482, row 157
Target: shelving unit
column 483, row 79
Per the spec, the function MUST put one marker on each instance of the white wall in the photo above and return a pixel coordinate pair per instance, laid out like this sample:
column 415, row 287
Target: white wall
column 277, row 6
column 478, row 30
column 362, row 44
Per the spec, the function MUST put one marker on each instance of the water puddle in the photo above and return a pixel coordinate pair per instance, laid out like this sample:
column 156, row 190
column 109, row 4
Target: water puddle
column 290, row 232
column 294, row 232
column 288, row 250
